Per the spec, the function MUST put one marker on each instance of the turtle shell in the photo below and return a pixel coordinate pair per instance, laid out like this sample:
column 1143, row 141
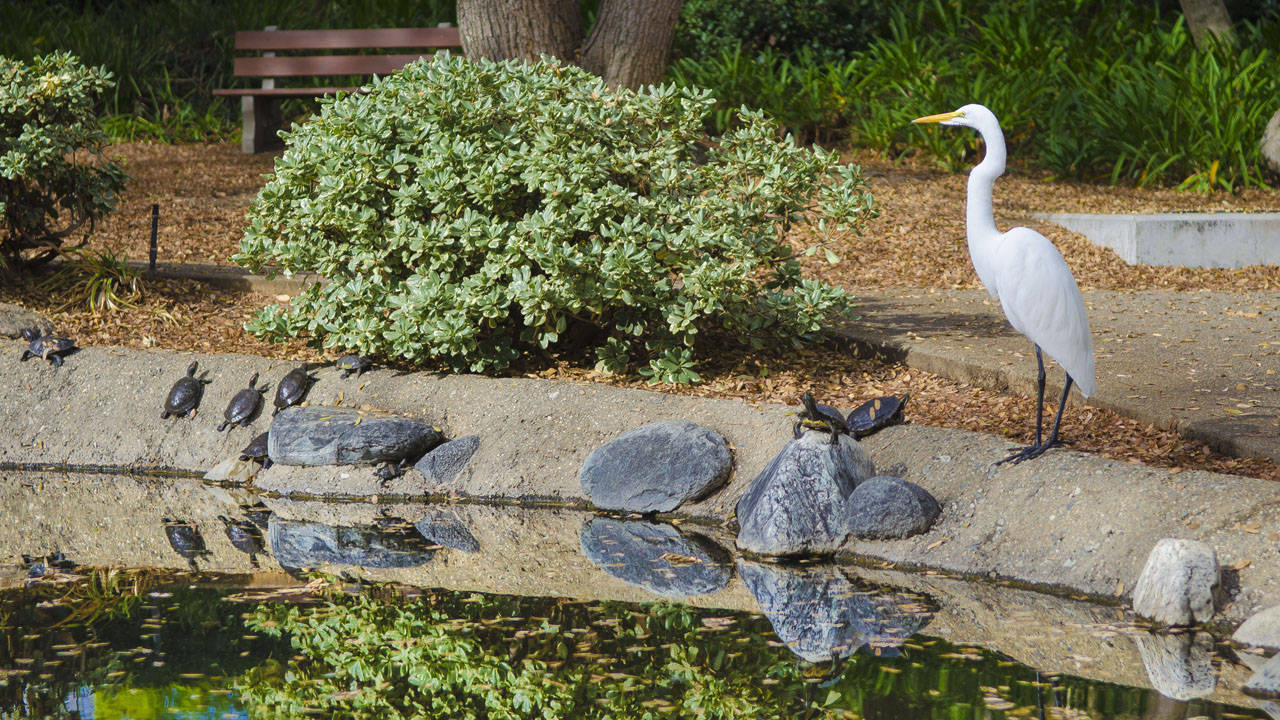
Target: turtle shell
column 243, row 405
column 876, row 414
column 185, row 394
column 244, row 535
column 47, row 347
column 257, row 450
column 184, row 537
column 292, row 388
column 352, row 363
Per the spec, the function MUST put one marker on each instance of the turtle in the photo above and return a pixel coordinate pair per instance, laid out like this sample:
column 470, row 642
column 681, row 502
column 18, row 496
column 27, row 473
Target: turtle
column 813, row 417
column 244, row 405
column 257, row 450
column 352, row 363
column 292, row 388
column 46, row 347
column 876, row 414
column 185, row 539
column 185, row 394
column 244, row 536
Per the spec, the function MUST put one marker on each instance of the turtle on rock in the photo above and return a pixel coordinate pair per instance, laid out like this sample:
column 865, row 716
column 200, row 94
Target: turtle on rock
column 244, row 405
column 816, row 417
column 876, row 414
column 184, row 396
column 46, row 347
column 293, row 388
column 352, row 363
column 257, row 450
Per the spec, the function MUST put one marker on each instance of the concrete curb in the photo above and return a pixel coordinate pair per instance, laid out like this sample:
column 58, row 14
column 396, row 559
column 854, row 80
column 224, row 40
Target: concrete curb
column 1068, row 520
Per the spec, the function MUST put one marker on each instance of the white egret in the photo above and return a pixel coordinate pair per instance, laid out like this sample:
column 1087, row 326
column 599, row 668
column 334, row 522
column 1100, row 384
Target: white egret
column 1027, row 274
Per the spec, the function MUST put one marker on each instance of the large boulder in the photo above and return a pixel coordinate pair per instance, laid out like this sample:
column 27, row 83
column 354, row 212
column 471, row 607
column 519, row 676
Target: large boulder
column 798, row 505
column 655, row 556
column 302, row 544
column 887, row 507
column 443, row 463
column 656, row 467
column 1178, row 585
column 325, row 435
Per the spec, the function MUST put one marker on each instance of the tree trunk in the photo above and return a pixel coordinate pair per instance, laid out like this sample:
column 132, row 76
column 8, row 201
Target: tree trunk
column 523, row 29
column 629, row 44
column 1206, row 18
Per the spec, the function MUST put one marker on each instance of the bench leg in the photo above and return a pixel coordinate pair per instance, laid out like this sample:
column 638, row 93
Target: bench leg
column 260, row 123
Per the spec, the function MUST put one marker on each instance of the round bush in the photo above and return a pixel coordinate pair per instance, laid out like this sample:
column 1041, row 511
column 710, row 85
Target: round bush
column 467, row 211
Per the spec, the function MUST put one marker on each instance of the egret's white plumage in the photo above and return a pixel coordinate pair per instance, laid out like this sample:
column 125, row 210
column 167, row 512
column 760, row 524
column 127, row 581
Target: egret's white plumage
column 1024, row 271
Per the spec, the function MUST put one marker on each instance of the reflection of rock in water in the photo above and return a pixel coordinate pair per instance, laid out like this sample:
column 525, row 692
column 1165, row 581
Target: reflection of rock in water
column 1178, row 664
column 655, row 556
column 444, row 528
column 820, row 614
column 297, row 544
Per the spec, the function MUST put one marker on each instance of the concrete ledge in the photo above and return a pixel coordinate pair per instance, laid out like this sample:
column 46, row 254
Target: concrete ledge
column 1067, row 520
column 1225, row 240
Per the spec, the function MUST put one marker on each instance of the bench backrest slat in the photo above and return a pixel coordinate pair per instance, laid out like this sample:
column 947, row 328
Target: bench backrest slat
column 321, row 65
column 348, row 39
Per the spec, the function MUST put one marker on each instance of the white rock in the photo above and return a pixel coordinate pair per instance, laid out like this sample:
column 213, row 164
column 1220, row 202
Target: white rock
column 1265, row 683
column 1261, row 631
column 1270, row 145
column 1178, row 664
column 1178, row 583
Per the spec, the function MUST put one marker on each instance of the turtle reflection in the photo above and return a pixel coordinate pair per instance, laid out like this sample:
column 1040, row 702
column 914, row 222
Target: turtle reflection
column 655, row 556
column 821, row 615
column 185, row 539
column 244, row 536
column 302, row 544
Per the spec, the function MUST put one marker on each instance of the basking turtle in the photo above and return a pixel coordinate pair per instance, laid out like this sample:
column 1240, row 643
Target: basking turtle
column 257, row 450
column 185, row 394
column 292, row 388
column 352, row 363
column 813, row 417
column 244, row 405
column 185, row 539
column 46, row 347
column 876, row 414
column 244, row 536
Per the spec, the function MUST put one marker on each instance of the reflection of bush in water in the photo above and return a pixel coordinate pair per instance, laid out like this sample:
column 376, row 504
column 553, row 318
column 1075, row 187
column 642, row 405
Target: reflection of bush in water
column 497, row 657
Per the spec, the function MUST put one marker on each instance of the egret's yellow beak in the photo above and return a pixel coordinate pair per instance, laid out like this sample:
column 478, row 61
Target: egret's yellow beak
column 938, row 118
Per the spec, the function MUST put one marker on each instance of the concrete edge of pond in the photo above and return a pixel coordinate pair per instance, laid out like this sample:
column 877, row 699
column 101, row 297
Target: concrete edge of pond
column 1067, row 521
column 1192, row 239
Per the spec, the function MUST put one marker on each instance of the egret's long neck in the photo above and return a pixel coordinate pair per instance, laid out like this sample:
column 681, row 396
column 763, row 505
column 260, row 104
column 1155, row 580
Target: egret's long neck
column 980, row 223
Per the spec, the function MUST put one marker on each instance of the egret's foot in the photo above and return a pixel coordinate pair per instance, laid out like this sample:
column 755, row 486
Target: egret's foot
column 1027, row 453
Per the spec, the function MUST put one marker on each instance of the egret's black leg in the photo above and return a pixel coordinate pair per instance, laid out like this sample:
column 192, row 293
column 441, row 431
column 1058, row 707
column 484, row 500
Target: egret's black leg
column 1040, row 378
column 1038, row 449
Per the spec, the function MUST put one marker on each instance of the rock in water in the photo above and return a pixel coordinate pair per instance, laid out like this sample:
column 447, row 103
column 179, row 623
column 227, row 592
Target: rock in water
column 1178, row 664
column 445, row 529
column 890, row 507
column 297, row 544
column 443, row 464
column 655, row 556
column 1265, row 683
column 799, row 503
column 344, row 436
column 1261, row 631
column 656, row 467
column 1178, row 583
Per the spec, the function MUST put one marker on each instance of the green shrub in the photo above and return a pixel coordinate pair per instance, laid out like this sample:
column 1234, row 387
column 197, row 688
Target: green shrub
column 827, row 29
column 470, row 211
column 53, row 181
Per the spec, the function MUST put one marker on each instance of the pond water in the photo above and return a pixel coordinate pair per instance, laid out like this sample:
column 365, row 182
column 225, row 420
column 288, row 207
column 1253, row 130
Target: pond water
column 162, row 599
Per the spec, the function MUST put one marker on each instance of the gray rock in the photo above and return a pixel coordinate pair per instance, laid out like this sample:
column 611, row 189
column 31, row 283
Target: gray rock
column 807, row 607
column 798, row 504
column 444, row 528
column 887, row 619
column 14, row 319
column 655, row 556
column 890, row 507
column 299, row 544
column 443, row 463
column 344, row 436
column 1265, row 683
column 1179, row 665
column 1270, row 145
column 1178, row 584
column 656, row 467
column 1260, row 631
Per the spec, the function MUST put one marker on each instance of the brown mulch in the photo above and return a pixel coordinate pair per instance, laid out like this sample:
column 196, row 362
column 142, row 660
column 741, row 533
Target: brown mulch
column 918, row 240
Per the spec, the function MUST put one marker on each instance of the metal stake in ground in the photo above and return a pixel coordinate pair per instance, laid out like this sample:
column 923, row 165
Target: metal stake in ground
column 155, row 226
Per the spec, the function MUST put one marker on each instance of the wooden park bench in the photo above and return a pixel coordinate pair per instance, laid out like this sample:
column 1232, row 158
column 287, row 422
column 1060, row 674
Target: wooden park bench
column 260, row 107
